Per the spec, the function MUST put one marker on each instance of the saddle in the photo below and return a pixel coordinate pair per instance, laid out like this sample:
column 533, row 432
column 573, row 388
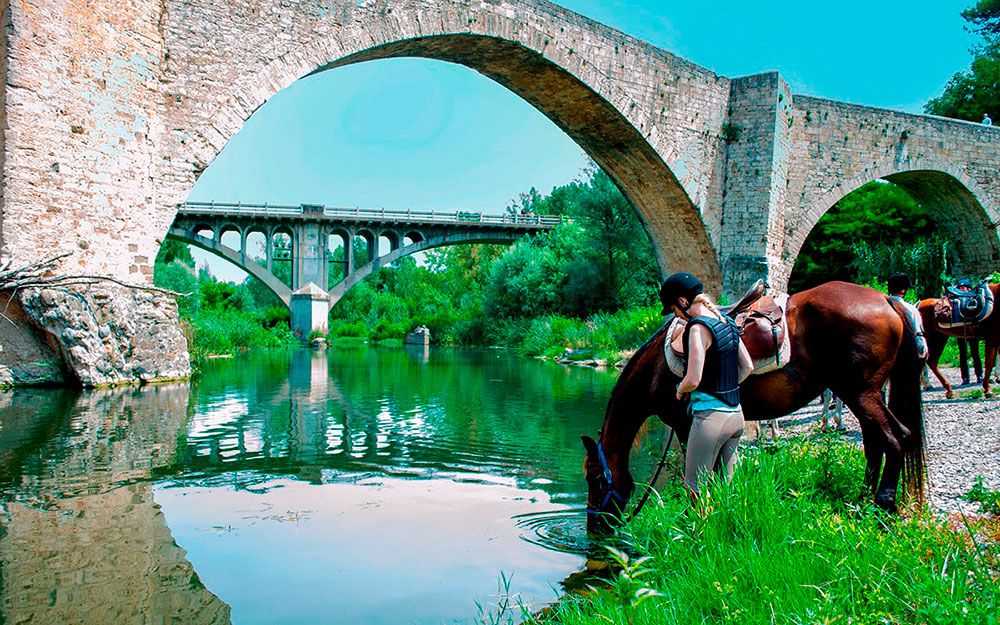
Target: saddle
column 761, row 321
column 959, row 309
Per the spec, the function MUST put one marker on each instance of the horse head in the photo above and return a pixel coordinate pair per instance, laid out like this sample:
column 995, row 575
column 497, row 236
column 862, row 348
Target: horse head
column 608, row 491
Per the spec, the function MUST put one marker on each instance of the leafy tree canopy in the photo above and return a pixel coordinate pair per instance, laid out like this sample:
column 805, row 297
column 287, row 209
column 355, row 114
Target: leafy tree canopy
column 971, row 94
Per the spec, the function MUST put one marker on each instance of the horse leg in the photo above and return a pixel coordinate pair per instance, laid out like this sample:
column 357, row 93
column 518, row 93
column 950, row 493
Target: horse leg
column 775, row 435
column 991, row 361
column 884, row 433
column 825, row 399
column 935, row 345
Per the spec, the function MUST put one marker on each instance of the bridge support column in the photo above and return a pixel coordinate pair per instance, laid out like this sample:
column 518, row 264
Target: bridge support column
column 310, row 307
column 758, row 139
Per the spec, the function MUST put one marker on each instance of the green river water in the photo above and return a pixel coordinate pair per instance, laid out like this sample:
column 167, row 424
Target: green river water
column 357, row 485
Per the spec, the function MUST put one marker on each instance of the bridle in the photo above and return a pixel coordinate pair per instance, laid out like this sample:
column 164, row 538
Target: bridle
column 613, row 492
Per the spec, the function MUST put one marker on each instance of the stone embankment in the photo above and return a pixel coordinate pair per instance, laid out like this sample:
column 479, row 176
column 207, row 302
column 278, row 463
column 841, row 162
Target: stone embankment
column 93, row 336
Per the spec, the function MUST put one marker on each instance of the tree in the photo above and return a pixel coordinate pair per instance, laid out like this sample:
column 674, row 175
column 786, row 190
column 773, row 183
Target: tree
column 985, row 18
column 970, row 94
column 172, row 250
column 878, row 213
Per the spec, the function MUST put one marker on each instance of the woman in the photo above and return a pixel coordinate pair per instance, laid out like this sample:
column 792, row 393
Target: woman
column 717, row 361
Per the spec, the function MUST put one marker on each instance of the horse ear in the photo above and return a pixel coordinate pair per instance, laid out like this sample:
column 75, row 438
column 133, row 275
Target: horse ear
column 590, row 445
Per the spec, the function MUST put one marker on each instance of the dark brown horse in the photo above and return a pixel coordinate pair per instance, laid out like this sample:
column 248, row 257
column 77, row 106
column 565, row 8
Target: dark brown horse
column 848, row 338
column 988, row 330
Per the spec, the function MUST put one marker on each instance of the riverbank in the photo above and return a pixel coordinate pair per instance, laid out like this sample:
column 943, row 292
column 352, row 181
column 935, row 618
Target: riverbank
column 794, row 539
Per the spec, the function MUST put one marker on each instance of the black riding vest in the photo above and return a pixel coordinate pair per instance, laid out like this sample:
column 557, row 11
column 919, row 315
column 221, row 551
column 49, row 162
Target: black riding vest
column 721, row 376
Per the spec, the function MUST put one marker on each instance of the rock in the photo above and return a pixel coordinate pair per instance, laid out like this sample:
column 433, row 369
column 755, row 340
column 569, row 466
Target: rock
column 420, row 336
column 111, row 335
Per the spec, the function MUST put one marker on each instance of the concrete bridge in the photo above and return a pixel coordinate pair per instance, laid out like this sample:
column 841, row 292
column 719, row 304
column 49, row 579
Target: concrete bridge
column 728, row 175
column 307, row 234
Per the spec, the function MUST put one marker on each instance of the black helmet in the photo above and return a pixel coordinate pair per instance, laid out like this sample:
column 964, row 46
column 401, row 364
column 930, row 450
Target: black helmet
column 681, row 284
column 899, row 282
column 964, row 282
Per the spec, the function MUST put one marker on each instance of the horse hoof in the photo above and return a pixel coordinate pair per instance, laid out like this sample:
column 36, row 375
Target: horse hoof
column 949, row 395
column 886, row 502
column 987, row 395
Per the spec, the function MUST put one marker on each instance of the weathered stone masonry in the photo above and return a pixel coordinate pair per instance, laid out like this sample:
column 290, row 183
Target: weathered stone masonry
column 112, row 109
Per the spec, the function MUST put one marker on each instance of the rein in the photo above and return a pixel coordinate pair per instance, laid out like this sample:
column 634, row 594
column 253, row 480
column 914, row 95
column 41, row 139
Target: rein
column 614, row 494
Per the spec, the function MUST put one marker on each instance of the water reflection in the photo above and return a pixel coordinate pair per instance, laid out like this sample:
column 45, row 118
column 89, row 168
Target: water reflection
column 81, row 538
column 378, row 485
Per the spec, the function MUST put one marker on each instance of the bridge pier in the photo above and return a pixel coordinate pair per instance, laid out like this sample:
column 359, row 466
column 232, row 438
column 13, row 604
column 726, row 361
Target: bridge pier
column 310, row 307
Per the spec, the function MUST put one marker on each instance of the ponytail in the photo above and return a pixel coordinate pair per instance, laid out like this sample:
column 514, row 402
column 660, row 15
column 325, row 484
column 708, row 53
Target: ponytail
column 707, row 302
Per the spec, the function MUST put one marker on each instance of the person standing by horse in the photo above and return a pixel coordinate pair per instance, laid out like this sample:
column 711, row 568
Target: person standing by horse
column 898, row 285
column 967, row 345
column 717, row 361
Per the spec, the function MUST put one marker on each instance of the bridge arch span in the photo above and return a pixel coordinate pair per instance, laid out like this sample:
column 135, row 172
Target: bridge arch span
column 241, row 260
column 961, row 209
column 575, row 72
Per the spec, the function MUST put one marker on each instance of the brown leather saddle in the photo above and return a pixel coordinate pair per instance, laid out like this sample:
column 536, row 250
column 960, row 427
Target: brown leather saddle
column 760, row 320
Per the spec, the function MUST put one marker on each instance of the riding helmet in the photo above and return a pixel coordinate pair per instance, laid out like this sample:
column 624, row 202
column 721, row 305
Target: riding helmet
column 964, row 282
column 680, row 284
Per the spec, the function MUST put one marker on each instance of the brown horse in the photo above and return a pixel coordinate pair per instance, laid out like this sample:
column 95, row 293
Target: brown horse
column 988, row 330
column 848, row 338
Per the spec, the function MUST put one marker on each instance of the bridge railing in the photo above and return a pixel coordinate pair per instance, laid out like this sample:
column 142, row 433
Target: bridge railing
column 374, row 214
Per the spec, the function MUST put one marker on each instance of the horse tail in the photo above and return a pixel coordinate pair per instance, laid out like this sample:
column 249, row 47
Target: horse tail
column 906, row 402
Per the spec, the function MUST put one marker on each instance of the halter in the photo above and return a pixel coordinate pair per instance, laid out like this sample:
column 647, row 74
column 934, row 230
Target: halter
column 612, row 491
column 614, row 494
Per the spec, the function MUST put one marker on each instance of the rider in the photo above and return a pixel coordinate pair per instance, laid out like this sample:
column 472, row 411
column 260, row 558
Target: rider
column 966, row 345
column 898, row 285
column 717, row 361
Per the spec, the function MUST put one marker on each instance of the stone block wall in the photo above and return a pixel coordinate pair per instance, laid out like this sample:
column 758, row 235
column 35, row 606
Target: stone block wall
column 951, row 167
column 111, row 110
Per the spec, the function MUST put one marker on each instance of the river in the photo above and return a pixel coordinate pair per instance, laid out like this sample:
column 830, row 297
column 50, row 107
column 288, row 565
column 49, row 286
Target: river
column 356, row 485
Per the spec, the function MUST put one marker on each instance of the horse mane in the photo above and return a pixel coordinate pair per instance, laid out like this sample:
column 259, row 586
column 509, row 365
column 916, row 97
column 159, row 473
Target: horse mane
column 630, row 367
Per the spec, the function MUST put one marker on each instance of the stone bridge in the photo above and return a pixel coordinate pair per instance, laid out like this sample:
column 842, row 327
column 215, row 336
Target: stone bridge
column 306, row 235
column 727, row 174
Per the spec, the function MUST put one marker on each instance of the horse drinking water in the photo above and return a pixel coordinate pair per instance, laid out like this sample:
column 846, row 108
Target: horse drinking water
column 848, row 338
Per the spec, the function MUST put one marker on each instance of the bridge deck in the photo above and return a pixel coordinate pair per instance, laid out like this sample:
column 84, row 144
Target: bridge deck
column 381, row 215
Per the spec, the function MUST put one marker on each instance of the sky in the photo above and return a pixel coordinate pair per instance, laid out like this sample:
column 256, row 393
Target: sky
column 422, row 134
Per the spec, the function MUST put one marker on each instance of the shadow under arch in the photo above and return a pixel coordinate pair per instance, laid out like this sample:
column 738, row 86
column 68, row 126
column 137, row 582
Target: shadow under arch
column 950, row 198
column 595, row 121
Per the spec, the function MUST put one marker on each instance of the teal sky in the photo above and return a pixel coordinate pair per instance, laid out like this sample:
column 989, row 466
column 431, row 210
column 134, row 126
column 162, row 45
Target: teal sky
column 413, row 133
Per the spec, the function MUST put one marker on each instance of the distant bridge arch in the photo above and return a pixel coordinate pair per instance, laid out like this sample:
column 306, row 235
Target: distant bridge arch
column 310, row 227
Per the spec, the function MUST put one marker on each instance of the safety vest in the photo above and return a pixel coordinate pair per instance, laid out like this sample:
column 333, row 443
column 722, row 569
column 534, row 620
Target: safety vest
column 720, row 377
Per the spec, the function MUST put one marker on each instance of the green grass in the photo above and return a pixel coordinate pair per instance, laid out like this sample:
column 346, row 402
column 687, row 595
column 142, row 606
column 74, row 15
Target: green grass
column 792, row 539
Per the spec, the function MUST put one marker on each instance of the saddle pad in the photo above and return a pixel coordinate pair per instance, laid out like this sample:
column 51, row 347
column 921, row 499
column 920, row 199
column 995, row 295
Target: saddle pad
column 677, row 366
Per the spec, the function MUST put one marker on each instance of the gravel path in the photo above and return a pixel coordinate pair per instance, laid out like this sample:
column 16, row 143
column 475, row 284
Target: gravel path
column 963, row 440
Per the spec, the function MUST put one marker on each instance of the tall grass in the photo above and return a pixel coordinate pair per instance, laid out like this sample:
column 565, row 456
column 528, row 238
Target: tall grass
column 791, row 539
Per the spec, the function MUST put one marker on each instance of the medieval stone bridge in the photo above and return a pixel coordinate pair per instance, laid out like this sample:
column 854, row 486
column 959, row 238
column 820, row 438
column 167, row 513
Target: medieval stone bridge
column 728, row 174
column 306, row 235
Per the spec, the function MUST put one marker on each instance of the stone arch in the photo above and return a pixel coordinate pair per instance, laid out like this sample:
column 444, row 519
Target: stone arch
column 960, row 208
column 521, row 52
column 370, row 237
column 393, row 237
